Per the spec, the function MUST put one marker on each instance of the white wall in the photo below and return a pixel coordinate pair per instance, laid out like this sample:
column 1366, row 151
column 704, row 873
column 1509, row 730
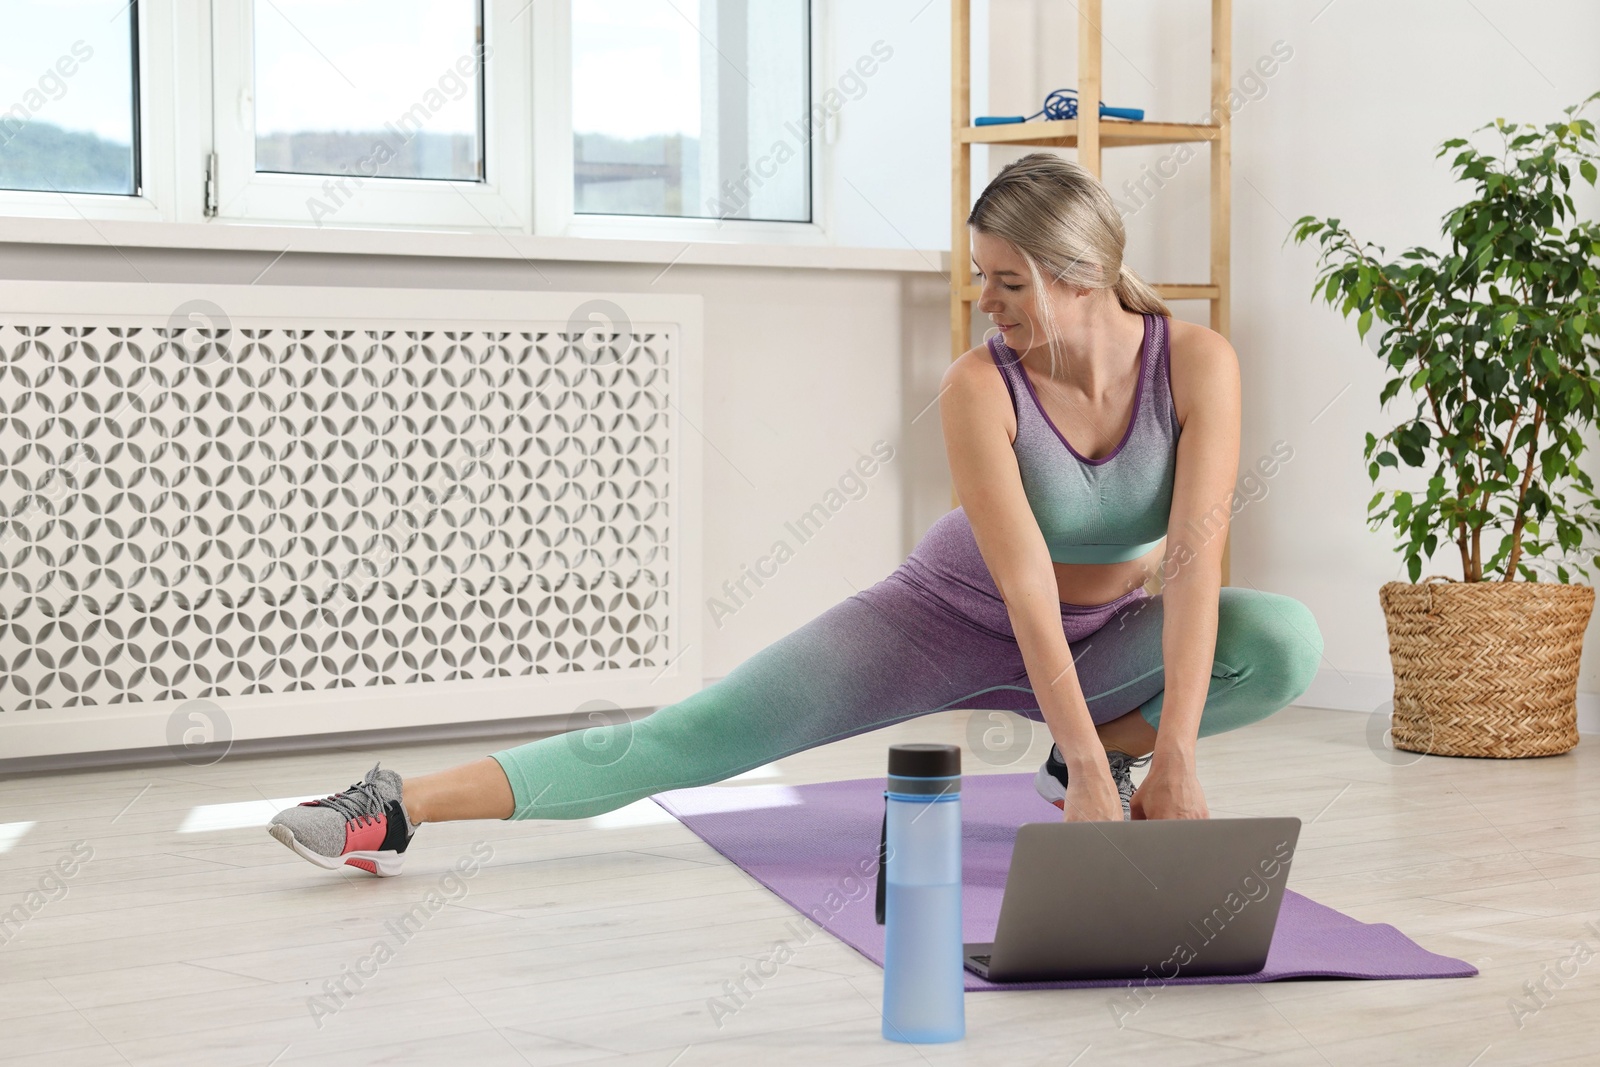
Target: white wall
column 888, row 178
column 1346, row 127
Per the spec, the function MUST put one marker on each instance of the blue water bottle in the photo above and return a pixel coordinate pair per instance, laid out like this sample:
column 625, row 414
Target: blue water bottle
column 919, row 896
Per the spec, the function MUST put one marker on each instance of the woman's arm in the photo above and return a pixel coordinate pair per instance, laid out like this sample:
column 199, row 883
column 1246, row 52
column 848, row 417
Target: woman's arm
column 974, row 409
column 1206, row 378
column 1205, row 386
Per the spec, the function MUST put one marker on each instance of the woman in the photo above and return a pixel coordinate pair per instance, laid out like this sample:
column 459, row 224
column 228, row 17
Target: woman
column 1029, row 597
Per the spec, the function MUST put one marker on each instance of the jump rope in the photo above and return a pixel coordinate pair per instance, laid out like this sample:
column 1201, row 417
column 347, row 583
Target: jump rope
column 1062, row 104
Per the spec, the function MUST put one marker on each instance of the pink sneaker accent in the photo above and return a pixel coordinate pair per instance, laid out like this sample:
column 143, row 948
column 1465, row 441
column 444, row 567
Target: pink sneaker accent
column 365, row 834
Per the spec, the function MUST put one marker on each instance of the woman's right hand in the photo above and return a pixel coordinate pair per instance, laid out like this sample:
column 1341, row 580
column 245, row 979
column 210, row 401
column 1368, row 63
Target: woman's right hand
column 1092, row 798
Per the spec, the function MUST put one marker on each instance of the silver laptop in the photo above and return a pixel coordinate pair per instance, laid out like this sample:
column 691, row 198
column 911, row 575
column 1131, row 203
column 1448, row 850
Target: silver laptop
column 1143, row 898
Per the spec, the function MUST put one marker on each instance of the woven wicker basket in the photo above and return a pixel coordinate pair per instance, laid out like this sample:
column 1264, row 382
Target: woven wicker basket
column 1485, row 668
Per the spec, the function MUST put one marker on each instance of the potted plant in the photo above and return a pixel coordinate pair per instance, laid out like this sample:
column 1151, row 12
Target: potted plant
column 1496, row 340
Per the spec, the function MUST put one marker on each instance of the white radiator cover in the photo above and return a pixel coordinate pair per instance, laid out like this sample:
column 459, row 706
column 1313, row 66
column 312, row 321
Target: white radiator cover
column 233, row 512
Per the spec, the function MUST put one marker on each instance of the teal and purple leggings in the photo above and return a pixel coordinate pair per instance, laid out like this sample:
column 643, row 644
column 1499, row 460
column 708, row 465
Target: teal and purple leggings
column 932, row 636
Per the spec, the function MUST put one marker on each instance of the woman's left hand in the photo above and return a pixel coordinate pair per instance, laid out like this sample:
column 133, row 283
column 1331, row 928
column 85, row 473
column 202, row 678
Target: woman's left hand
column 1170, row 790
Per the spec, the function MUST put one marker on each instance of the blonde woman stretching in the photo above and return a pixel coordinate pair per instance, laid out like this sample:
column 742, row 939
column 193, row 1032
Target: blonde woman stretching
column 1082, row 435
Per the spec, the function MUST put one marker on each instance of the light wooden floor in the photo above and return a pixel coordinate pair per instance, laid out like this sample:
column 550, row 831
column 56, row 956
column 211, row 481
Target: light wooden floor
column 600, row 942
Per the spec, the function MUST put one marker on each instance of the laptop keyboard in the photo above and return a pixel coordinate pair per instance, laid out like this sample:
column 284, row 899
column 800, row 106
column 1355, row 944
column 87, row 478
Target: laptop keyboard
column 977, row 958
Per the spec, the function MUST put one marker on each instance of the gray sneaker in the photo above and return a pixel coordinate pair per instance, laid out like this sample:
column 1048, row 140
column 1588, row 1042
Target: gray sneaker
column 1051, row 781
column 365, row 826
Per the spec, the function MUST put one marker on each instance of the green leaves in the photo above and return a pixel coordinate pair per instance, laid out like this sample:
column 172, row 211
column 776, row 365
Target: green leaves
column 1497, row 338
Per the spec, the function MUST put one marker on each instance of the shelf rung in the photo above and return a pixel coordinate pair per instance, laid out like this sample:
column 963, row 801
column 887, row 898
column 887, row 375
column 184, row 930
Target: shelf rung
column 1169, row 290
column 1181, row 291
column 1113, row 133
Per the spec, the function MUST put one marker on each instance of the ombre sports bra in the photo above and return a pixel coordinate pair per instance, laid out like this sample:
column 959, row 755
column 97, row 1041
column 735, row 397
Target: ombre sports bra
column 1106, row 510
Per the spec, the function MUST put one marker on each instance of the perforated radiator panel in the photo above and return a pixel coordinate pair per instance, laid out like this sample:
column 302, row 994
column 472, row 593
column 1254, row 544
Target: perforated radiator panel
column 276, row 506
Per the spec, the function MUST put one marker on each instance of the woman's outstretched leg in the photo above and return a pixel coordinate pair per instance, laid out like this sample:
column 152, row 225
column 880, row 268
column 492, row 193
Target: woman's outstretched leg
column 476, row 790
column 884, row 655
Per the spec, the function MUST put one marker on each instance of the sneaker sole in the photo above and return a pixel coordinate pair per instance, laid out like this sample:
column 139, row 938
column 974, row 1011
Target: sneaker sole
column 383, row 864
column 1049, row 787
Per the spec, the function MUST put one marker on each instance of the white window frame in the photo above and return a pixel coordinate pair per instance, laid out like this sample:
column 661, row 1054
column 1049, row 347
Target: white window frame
column 501, row 201
column 195, row 67
column 552, row 138
column 157, row 74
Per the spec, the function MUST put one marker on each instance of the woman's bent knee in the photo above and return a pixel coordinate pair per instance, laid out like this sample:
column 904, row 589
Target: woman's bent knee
column 1273, row 637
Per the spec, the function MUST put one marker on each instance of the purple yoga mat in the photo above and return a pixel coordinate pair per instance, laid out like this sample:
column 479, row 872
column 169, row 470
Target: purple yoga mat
column 816, row 846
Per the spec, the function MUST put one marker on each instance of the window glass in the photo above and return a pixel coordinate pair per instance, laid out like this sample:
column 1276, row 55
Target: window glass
column 374, row 88
column 68, row 99
column 692, row 109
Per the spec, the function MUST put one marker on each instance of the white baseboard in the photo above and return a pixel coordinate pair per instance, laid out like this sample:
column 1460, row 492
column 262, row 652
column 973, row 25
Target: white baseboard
column 1366, row 691
column 200, row 732
column 497, row 733
column 1347, row 690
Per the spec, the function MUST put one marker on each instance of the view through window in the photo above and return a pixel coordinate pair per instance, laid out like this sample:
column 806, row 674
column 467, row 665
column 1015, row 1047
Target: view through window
column 68, row 96
column 695, row 109
column 374, row 88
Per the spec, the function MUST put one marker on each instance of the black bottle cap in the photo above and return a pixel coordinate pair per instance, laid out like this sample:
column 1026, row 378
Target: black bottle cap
column 924, row 761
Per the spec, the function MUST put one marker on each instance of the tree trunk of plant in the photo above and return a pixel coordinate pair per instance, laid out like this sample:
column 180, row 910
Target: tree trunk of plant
column 1522, row 495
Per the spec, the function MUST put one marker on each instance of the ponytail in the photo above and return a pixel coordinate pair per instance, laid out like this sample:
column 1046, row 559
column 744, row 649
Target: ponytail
column 1136, row 294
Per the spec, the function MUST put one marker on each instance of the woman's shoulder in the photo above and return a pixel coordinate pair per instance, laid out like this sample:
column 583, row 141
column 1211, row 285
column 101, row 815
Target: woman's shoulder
column 974, row 370
column 974, row 379
column 1198, row 359
column 1192, row 342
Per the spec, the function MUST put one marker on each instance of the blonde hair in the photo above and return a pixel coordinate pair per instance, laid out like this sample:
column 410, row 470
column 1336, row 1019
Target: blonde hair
column 1063, row 223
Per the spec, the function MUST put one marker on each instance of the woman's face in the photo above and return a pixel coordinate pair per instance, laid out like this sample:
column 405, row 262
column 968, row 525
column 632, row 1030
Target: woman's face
column 1010, row 298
